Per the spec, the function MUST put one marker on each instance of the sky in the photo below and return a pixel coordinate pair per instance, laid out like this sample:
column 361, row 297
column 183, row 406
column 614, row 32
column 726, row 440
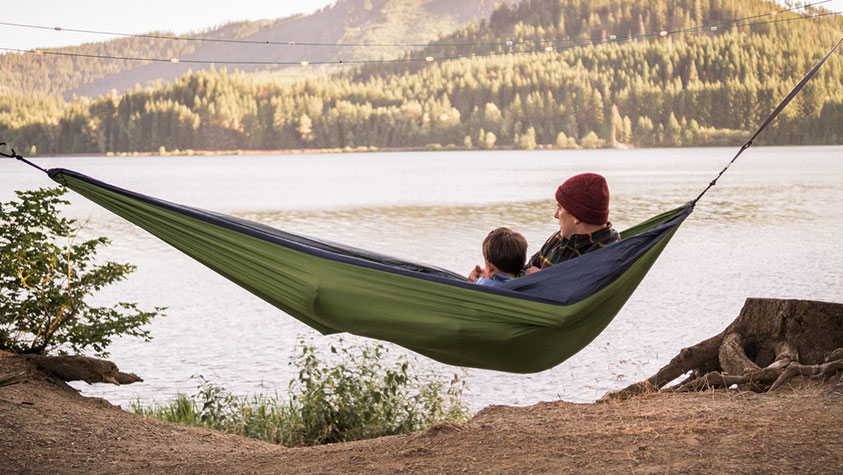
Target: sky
column 145, row 16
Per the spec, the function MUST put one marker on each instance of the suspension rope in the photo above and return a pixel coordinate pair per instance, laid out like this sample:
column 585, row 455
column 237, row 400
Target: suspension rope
column 15, row 155
column 767, row 122
column 558, row 45
column 306, row 43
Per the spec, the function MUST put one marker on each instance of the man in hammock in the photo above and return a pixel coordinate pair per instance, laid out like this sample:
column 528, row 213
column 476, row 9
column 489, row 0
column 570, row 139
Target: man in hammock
column 583, row 213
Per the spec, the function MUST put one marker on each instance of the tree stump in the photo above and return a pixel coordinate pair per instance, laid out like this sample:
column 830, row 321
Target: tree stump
column 770, row 342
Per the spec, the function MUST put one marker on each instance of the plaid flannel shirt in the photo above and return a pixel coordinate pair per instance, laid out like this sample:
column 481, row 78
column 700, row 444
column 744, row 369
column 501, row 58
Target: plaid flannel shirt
column 558, row 249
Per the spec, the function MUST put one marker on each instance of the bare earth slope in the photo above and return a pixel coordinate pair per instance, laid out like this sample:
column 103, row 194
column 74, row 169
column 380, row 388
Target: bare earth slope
column 46, row 427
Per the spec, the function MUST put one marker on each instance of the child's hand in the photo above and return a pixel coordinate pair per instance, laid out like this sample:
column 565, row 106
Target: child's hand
column 531, row 270
column 476, row 273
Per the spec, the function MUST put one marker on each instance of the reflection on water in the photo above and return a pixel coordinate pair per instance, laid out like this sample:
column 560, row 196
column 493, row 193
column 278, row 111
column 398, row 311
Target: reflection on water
column 768, row 229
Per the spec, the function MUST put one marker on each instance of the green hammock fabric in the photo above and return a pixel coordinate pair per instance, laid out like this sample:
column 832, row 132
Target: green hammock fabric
column 532, row 325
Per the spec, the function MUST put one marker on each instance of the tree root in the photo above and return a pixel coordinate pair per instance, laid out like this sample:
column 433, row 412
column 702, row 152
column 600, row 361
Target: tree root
column 687, row 360
column 13, row 378
column 823, row 371
column 759, row 351
column 82, row 368
column 773, row 376
column 732, row 356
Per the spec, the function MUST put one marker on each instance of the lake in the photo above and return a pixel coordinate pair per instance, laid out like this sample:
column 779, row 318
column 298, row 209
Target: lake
column 770, row 228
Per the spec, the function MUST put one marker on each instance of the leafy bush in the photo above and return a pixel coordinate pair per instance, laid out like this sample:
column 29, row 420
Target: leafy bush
column 46, row 277
column 366, row 394
column 361, row 397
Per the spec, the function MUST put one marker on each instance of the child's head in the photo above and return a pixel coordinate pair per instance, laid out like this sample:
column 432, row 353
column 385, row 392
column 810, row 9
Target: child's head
column 506, row 250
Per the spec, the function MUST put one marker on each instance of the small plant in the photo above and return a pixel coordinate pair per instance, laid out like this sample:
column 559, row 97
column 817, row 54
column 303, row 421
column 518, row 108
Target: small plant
column 46, row 277
column 366, row 394
column 360, row 397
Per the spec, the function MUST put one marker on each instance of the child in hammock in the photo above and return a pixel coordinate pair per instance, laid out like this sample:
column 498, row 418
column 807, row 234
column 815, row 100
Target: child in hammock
column 504, row 253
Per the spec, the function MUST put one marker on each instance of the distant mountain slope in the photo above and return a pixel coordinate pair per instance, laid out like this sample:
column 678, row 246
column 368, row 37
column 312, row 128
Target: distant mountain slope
column 57, row 75
column 347, row 21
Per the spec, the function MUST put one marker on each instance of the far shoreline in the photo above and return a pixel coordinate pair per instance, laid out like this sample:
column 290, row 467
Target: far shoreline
column 372, row 149
column 322, row 151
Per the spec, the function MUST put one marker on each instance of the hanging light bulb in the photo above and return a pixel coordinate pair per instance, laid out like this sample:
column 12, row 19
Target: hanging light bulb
column 174, row 60
column 305, row 63
column 429, row 59
column 663, row 33
column 548, row 48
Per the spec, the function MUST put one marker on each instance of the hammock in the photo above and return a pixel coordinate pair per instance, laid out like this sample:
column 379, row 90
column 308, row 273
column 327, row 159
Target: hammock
column 527, row 325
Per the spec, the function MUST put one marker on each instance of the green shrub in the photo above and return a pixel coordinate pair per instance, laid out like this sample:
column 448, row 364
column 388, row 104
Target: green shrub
column 361, row 397
column 365, row 394
column 46, row 275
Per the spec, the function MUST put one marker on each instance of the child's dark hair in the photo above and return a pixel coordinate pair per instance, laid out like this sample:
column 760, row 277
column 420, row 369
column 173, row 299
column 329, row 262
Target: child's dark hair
column 506, row 249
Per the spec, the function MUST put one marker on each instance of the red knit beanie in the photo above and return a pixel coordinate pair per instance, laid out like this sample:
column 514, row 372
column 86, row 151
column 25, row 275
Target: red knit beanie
column 586, row 196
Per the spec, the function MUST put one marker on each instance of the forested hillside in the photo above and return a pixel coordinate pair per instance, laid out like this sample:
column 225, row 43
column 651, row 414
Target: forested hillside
column 702, row 87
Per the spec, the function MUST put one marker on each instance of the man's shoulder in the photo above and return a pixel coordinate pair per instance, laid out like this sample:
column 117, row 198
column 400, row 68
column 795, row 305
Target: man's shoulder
column 554, row 239
column 606, row 235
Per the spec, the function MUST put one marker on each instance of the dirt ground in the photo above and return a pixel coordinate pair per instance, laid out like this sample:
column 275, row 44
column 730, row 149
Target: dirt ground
column 47, row 427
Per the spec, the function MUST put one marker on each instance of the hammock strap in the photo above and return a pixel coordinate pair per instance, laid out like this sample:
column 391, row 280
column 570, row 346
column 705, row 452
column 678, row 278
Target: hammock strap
column 15, row 155
column 775, row 113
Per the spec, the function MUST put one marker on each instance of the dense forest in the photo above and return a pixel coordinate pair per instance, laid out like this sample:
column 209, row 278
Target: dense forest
column 606, row 82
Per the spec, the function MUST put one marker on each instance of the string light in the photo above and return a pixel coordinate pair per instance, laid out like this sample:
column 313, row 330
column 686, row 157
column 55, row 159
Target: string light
column 561, row 45
column 401, row 44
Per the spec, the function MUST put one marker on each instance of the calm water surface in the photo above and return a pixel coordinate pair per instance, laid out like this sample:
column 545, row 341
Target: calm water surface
column 770, row 228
